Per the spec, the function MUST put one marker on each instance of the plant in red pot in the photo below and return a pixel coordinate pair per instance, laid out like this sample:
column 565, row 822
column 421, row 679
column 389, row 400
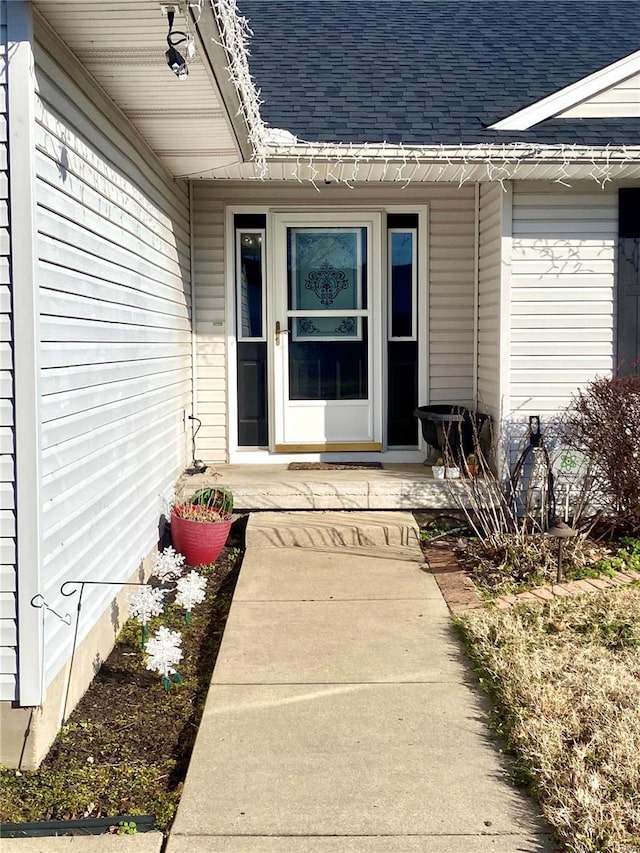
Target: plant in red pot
column 200, row 525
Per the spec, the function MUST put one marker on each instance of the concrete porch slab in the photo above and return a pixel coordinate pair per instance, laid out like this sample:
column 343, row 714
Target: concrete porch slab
column 314, row 642
column 274, row 487
column 345, row 760
column 300, row 574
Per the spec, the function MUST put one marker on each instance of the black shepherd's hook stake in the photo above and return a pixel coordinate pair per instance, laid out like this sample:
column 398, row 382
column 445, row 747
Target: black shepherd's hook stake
column 67, row 592
column 197, row 466
column 536, row 442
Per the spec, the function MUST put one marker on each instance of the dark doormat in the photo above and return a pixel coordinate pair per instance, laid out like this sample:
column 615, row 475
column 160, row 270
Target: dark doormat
column 333, row 466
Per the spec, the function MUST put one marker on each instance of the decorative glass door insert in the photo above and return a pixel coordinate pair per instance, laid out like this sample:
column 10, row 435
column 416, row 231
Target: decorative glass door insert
column 327, row 281
column 324, row 331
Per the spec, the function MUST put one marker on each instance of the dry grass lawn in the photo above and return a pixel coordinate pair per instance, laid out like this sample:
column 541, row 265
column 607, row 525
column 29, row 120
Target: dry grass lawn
column 565, row 677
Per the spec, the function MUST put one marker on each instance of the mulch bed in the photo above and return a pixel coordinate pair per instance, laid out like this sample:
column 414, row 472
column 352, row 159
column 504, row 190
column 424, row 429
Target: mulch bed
column 460, row 593
column 126, row 747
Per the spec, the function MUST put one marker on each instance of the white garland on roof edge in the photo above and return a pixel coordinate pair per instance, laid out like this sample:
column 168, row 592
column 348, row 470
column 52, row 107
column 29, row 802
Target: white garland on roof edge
column 235, row 33
column 345, row 160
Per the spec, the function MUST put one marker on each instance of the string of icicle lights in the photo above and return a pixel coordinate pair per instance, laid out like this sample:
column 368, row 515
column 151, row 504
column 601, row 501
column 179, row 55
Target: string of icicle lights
column 348, row 164
column 235, row 34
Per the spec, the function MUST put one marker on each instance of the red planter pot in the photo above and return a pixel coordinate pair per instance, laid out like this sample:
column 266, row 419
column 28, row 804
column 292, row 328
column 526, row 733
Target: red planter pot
column 200, row 542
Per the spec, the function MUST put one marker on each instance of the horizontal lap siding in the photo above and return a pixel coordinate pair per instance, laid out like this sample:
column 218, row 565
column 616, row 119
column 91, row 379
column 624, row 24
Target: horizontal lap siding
column 489, row 272
column 208, row 241
column 618, row 101
column 113, row 275
column 451, row 293
column 563, row 292
column 450, row 272
column 8, row 667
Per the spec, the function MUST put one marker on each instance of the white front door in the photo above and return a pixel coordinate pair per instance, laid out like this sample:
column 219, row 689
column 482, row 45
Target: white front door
column 327, row 331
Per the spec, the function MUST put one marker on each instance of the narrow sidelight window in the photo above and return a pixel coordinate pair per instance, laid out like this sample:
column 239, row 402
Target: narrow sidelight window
column 250, row 281
column 402, row 284
column 250, row 284
column 402, row 330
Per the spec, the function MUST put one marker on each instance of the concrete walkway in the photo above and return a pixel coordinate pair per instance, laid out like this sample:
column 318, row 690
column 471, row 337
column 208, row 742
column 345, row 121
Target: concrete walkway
column 341, row 717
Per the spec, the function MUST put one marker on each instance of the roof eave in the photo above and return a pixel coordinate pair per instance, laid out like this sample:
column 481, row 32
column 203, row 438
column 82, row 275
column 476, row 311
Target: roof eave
column 217, row 66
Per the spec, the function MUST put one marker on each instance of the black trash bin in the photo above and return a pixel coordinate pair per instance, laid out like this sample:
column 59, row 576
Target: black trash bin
column 451, row 429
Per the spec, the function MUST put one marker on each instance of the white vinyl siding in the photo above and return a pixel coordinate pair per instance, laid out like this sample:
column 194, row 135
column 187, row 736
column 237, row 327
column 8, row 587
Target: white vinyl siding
column 620, row 101
column 563, row 290
column 451, row 247
column 489, row 298
column 114, row 276
column 8, row 631
column 450, row 282
column 209, row 312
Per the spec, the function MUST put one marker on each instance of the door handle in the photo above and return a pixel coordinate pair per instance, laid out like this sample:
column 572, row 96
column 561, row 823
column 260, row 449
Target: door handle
column 280, row 331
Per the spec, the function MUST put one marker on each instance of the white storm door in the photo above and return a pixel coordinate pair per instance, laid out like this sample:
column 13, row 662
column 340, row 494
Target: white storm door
column 327, row 332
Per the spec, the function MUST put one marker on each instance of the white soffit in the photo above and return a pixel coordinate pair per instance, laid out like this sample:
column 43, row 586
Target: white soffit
column 122, row 45
column 565, row 100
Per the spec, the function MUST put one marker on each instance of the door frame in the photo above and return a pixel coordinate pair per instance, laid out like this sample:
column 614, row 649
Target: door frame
column 278, row 224
column 265, row 455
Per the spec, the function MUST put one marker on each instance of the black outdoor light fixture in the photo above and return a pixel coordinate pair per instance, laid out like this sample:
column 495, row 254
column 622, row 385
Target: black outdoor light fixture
column 560, row 530
column 175, row 60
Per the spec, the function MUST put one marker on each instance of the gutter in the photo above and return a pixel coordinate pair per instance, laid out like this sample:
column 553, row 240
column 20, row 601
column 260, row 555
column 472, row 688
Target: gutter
column 286, row 158
column 508, row 152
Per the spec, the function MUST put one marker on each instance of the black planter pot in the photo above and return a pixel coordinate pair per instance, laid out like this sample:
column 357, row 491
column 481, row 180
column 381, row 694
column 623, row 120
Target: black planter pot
column 451, row 430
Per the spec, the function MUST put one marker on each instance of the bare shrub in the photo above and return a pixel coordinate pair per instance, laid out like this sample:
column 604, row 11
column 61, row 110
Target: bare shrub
column 509, row 517
column 604, row 422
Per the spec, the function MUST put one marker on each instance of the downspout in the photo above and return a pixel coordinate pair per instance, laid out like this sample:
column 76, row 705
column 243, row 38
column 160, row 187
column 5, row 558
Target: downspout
column 476, row 291
column 192, row 294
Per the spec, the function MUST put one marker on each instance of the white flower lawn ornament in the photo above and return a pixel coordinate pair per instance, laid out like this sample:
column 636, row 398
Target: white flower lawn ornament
column 190, row 592
column 163, row 653
column 145, row 604
column 168, row 565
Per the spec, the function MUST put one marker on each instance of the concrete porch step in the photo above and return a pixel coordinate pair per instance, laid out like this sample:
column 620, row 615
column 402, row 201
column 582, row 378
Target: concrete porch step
column 392, row 531
column 275, row 487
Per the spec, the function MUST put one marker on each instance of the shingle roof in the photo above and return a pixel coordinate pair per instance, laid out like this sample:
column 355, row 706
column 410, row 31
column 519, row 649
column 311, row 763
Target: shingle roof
column 433, row 71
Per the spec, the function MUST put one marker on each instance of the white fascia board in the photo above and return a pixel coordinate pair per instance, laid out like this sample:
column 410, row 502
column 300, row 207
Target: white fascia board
column 571, row 95
column 215, row 62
